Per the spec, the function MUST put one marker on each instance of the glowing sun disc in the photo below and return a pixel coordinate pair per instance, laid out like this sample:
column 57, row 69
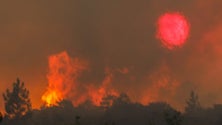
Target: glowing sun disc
column 172, row 29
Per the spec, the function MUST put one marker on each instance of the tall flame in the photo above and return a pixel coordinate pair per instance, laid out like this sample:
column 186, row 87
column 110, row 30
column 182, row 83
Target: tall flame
column 63, row 84
column 51, row 97
column 62, row 71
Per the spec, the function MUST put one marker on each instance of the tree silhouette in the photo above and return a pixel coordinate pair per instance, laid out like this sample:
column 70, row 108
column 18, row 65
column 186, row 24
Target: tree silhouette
column 66, row 104
column 173, row 117
column 111, row 100
column 122, row 100
column 1, row 117
column 77, row 120
column 107, row 101
column 161, row 113
column 17, row 102
column 193, row 103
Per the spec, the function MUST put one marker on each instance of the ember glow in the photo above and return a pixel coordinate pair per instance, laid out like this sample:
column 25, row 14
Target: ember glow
column 173, row 30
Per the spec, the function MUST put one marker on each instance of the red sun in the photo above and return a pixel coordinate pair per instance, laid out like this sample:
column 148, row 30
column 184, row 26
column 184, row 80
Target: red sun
column 172, row 30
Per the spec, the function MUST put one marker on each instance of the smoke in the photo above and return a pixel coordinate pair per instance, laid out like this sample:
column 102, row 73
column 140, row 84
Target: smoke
column 115, row 35
column 124, row 42
column 62, row 76
column 104, row 90
column 161, row 85
column 63, row 83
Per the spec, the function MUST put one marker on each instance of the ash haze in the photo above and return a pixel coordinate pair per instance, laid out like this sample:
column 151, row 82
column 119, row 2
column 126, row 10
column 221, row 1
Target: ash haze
column 120, row 35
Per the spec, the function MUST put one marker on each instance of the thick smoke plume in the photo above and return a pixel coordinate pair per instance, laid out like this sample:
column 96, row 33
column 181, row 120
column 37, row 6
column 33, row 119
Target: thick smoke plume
column 118, row 35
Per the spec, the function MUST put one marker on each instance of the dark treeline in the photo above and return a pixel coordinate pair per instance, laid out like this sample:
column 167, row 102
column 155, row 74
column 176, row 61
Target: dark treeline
column 113, row 111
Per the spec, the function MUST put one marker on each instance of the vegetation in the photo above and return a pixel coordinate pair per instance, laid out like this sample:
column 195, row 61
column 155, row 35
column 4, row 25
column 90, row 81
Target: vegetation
column 1, row 117
column 113, row 111
column 193, row 104
column 17, row 102
column 173, row 117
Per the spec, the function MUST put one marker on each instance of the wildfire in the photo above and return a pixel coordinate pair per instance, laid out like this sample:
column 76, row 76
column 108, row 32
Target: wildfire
column 63, row 84
column 163, row 86
column 51, row 98
column 63, row 72
column 104, row 90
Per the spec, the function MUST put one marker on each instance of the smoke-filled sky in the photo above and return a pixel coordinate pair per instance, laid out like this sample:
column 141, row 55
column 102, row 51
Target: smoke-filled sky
column 119, row 35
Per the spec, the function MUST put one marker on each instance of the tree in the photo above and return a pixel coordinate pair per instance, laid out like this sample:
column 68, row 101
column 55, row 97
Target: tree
column 107, row 101
column 66, row 104
column 111, row 100
column 193, row 103
column 173, row 117
column 123, row 99
column 1, row 117
column 77, row 120
column 17, row 102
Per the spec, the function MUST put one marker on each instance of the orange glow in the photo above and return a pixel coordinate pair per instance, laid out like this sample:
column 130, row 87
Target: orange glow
column 163, row 86
column 63, row 72
column 63, row 84
column 51, row 98
column 173, row 30
column 104, row 90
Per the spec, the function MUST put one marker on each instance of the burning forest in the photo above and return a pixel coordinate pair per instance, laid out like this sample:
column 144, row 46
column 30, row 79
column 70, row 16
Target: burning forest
column 123, row 62
column 63, row 75
column 63, row 83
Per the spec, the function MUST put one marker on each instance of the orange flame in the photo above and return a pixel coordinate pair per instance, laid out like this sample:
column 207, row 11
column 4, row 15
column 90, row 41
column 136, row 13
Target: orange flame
column 63, row 84
column 51, row 97
column 104, row 90
column 63, row 72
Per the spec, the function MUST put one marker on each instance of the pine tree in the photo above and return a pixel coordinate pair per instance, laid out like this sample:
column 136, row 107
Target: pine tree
column 193, row 103
column 17, row 102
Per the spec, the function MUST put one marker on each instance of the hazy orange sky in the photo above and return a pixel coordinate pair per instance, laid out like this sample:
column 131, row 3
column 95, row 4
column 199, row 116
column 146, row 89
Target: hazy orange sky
column 119, row 34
